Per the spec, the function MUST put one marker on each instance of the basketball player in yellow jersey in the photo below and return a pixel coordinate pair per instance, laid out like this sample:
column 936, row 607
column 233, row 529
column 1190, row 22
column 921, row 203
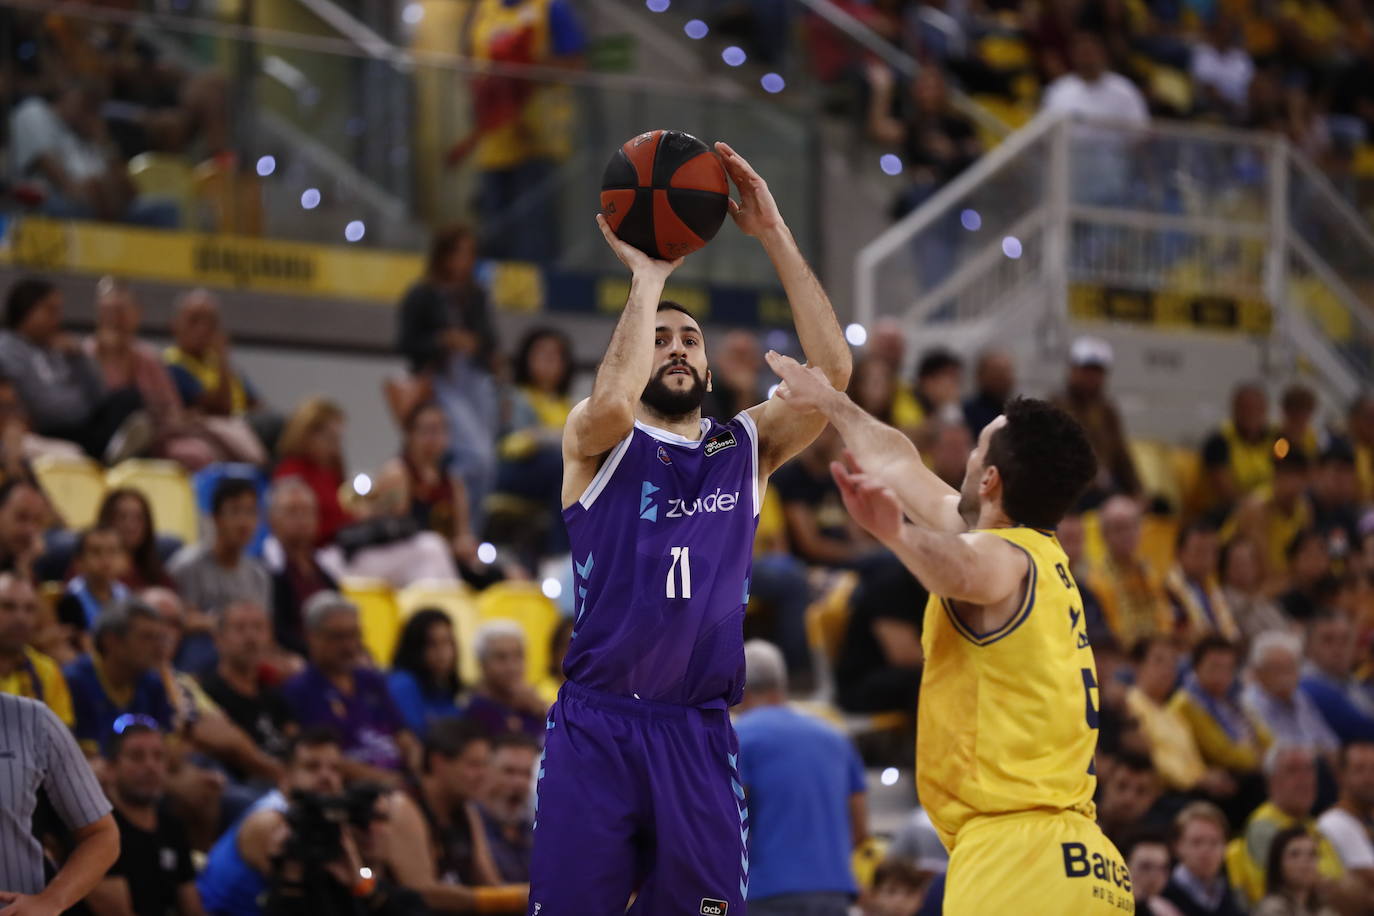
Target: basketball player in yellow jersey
column 1007, row 724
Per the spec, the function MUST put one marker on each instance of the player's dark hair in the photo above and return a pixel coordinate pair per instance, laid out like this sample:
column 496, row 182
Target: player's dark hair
column 1212, row 643
column 1191, row 529
column 937, row 361
column 230, row 488
column 902, row 872
column 1044, row 459
column 1273, row 869
column 674, row 306
column 410, row 652
column 314, row 736
column 523, row 376
column 450, row 737
column 24, row 297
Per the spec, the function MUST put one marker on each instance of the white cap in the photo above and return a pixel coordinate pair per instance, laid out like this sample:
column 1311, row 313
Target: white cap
column 1090, row 351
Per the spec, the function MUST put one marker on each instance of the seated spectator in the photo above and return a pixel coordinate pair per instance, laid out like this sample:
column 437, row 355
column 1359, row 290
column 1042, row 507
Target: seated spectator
column 1272, row 695
column 994, row 376
column 336, row 691
column 1198, row 884
column 1147, row 857
column 739, row 376
column 1199, row 606
column 947, row 445
column 1134, row 603
column 294, row 521
column 236, row 873
column 1222, row 69
column 1242, row 585
column 879, row 664
column 1173, row 749
column 1228, row 735
column 1297, row 410
column 819, row 531
column 424, row 677
column 899, row 889
column 1347, row 824
column 1327, row 680
column 311, row 449
column 23, row 513
column 445, row 331
column 1291, row 773
column 210, row 385
column 1238, row 457
column 1310, row 583
column 19, row 445
column 1359, row 427
column 127, row 362
column 24, row 671
column 1335, row 499
column 1085, row 399
column 1274, row 515
column 243, row 638
column 154, row 873
column 439, row 844
column 126, row 510
column 61, row 387
column 873, row 387
column 1129, row 799
column 531, row 455
column 62, row 149
column 120, row 677
column 805, row 786
column 939, row 385
column 100, row 563
column 508, row 805
column 1291, row 877
column 887, row 341
column 502, row 700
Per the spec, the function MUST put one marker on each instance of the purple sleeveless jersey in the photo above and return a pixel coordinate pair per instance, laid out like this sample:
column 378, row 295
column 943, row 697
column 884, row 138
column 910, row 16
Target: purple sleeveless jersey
column 662, row 544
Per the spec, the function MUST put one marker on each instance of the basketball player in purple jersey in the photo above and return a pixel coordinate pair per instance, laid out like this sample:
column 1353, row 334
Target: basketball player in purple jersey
column 638, row 790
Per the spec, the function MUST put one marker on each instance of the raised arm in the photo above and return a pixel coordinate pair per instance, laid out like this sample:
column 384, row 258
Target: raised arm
column 784, row 433
column 886, row 454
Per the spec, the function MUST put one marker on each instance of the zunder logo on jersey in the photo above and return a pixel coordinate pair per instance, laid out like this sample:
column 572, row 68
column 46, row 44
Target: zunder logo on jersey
column 711, row 907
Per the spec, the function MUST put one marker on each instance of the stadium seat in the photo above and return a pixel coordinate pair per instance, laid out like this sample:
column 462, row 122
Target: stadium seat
column 455, row 599
column 1158, row 473
column 165, row 179
column 205, row 480
column 168, row 490
column 74, row 486
column 1004, row 52
column 378, row 615
column 526, row 604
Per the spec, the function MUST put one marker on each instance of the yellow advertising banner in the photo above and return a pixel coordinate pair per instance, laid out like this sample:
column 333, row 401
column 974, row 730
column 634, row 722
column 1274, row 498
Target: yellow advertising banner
column 1172, row 309
column 197, row 259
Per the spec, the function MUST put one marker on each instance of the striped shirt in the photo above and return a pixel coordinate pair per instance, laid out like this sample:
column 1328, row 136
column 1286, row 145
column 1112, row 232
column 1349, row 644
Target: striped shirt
column 37, row 751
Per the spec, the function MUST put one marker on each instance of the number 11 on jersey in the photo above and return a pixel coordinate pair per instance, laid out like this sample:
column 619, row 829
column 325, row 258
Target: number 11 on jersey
column 680, row 570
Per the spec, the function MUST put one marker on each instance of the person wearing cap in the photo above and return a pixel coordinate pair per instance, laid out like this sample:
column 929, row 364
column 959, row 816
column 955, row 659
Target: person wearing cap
column 1238, row 457
column 336, row 691
column 1085, row 399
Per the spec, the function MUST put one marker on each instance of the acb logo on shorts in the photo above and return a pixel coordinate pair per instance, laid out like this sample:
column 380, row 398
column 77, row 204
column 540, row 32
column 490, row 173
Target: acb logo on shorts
column 711, row 907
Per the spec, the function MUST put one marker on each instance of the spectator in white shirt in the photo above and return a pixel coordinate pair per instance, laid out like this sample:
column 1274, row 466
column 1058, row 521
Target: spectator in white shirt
column 1222, row 70
column 1349, row 824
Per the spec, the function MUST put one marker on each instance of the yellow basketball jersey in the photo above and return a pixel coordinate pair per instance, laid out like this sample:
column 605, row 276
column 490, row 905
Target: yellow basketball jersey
column 1008, row 718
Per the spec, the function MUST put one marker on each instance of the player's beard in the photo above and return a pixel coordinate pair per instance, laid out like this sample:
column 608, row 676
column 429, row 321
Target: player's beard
column 670, row 404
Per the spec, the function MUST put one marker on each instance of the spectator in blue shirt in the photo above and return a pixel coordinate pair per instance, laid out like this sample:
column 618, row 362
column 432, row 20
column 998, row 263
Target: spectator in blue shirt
column 120, row 677
column 805, row 789
column 424, row 678
column 1326, row 678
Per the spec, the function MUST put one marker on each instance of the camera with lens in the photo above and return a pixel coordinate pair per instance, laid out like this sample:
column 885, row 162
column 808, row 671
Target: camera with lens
column 316, row 822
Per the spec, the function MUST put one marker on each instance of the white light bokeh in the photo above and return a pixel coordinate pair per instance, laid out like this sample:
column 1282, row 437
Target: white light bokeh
column 413, row 13
column 890, row 776
column 486, row 553
column 266, row 165
column 856, row 334
column 362, row 485
column 552, row 589
column 310, row 198
column 354, row 230
column 891, row 164
column 1011, row 247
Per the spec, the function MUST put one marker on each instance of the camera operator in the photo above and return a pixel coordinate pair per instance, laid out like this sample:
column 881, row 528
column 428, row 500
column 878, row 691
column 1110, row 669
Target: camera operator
column 275, row 856
column 438, row 842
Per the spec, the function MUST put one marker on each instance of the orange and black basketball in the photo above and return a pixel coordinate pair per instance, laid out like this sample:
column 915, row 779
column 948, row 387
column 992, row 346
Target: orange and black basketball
column 665, row 193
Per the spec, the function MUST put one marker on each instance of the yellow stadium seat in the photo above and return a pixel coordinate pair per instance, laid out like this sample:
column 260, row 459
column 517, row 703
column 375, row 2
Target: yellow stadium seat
column 164, row 178
column 1158, row 474
column 74, row 486
column 378, row 615
column 169, row 493
column 1004, row 52
column 454, row 599
column 526, row 604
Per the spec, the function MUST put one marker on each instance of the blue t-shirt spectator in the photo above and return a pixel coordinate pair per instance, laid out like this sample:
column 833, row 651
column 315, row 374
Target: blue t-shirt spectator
column 800, row 775
column 418, row 704
column 96, row 710
column 1348, row 721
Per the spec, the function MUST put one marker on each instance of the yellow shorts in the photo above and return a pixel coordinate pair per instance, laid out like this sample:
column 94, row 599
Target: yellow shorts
column 1036, row 862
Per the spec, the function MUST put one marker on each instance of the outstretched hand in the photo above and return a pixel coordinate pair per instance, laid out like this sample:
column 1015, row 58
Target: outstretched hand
column 803, row 388
column 756, row 212
column 640, row 264
column 870, row 503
